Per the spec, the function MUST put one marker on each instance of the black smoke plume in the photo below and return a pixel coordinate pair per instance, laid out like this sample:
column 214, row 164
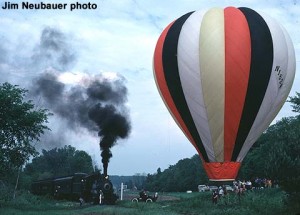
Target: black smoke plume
column 97, row 104
column 112, row 126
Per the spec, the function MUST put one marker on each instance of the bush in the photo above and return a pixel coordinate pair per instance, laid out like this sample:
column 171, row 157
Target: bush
column 23, row 200
column 6, row 193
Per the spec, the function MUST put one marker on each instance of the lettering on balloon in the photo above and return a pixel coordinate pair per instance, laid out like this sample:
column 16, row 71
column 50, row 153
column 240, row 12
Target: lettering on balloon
column 279, row 76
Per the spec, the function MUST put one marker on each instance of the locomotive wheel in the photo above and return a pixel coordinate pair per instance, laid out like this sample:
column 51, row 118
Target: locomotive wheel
column 135, row 200
column 107, row 186
column 149, row 200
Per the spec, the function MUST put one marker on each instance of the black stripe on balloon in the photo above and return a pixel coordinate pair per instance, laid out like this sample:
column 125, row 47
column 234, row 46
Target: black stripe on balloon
column 170, row 67
column 260, row 72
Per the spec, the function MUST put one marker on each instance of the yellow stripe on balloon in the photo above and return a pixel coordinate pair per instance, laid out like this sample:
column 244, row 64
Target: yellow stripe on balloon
column 212, row 71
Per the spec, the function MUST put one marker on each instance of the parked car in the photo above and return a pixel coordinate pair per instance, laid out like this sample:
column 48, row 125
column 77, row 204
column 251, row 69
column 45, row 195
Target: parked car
column 203, row 188
column 213, row 188
column 229, row 188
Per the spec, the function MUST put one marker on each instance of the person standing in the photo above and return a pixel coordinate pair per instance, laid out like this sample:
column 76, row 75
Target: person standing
column 215, row 197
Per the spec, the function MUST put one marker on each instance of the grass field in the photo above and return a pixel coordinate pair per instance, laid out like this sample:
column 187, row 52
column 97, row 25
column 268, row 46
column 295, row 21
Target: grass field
column 269, row 201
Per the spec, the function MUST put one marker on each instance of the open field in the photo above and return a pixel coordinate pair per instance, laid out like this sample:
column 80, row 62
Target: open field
column 269, row 201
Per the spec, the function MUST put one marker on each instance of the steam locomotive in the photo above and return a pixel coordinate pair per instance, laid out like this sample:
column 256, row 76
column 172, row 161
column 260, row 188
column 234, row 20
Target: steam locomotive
column 79, row 186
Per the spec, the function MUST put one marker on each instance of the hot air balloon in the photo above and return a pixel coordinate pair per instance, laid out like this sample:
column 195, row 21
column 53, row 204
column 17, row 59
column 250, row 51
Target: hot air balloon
column 224, row 74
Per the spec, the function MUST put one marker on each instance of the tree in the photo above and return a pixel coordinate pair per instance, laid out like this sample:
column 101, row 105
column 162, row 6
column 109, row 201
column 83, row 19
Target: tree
column 185, row 175
column 295, row 102
column 21, row 123
column 277, row 154
column 59, row 162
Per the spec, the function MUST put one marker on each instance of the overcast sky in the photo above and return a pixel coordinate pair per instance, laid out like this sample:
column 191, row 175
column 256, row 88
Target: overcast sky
column 116, row 40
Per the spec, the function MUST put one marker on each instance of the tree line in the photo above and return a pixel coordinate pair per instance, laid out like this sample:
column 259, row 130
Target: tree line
column 185, row 175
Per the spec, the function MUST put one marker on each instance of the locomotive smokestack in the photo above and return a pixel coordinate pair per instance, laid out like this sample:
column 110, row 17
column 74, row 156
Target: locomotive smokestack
column 105, row 165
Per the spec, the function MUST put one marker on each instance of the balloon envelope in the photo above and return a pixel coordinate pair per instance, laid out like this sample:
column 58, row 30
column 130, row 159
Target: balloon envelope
column 224, row 74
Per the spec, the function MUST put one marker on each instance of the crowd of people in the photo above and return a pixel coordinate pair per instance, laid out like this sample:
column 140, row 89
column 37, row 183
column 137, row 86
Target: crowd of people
column 257, row 183
column 239, row 187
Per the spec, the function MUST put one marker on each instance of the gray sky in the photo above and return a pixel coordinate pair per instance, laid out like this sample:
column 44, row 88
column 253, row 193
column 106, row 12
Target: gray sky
column 116, row 40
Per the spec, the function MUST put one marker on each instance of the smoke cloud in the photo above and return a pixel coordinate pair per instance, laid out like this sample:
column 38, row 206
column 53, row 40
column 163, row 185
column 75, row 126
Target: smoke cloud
column 54, row 50
column 95, row 103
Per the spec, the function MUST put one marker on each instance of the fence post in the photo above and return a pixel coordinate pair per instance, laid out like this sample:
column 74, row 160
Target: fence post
column 122, row 187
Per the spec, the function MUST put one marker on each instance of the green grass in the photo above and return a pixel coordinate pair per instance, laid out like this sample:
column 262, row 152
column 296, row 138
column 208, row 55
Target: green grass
column 259, row 202
column 269, row 201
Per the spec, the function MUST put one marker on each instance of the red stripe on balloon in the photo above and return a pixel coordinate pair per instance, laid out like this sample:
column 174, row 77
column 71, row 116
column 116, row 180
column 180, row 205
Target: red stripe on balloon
column 237, row 68
column 162, row 85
